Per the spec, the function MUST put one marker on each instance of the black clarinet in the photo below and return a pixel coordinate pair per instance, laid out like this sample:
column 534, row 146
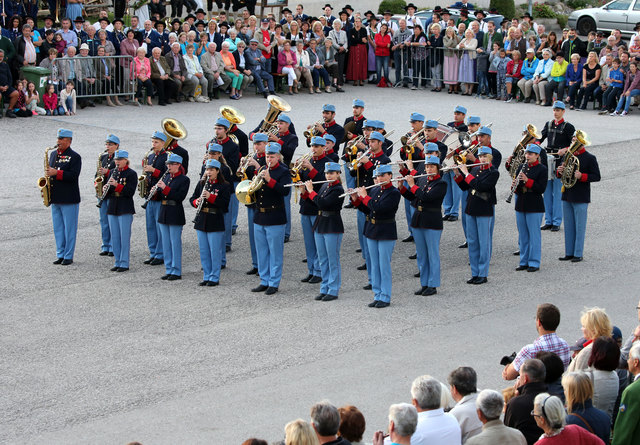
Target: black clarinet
column 115, row 174
column 154, row 189
column 516, row 182
column 201, row 203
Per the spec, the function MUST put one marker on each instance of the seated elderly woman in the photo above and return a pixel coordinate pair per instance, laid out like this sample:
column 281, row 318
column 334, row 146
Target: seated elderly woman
column 331, row 63
column 578, row 390
column 233, row 39
column 403, row 421
column 595, row 323
column 303, row 66
column 232, row 71
column 286, row 65
column 316, row 60
column 549, row 414
column 195, row 72
column 142, row 74
column 106, row 74
column 352, row 424
column 243, row 66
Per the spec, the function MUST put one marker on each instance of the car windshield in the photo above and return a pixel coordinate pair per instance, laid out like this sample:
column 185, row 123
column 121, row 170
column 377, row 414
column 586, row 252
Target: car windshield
column 619, row 5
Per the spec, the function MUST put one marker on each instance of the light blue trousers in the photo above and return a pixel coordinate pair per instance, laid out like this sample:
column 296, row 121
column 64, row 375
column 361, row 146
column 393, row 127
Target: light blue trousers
column 120, row 227
column 328, row 245
column 529, row 238
column 270, row 240
column 479, row 239
column 104, row 227
column 553, row 202
column 252, row 240
column 313, row 264
column 172, row 248
column 428, row 250
column 362, row 218
column 575, row 226
column 154, row 236
column 451, row 202
column 210, row 244
column 65, row 228
column 350, row 180
column 380, row 252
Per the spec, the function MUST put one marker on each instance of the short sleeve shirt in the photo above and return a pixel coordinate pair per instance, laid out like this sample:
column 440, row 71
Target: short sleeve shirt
column 548, row 342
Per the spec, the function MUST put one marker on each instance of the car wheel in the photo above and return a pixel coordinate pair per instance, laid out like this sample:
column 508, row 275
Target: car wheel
column 585, row 26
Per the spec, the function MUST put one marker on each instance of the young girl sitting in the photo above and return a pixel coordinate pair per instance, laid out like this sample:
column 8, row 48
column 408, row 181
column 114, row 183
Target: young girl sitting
column 68, row 99
column 60, row 44
column 50, row 99
column 33, row 98
column 21, row 105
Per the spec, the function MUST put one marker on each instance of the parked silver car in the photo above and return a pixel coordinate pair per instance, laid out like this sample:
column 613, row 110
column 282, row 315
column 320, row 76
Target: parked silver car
column 618, row 14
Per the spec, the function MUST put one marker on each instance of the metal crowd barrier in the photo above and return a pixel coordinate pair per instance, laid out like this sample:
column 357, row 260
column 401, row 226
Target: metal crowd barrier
column 90, row 76
column 427, row 65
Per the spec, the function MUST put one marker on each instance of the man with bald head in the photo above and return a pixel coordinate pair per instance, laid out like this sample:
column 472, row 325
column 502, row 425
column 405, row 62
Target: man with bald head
column 151, row 37
column 161, row 77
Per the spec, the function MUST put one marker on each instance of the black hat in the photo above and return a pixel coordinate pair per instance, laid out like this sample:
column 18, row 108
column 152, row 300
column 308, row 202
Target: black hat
column 78, row 20
column 410, row 5
column 159, row 22
column 480, row 11
column 505, row 20
column 200, row 22
column 635, row 28
column 225, row 24
column 445, row 11
column 387, row 12
column 373, row 17
column 344, row 11
column 349, row 7
column 287, row 10
column 190, row 16
column 49, row 17
column 464, row 11
column 200, row 11
column 527, row 15
column 437, row 9
column 328, row 6
column 176, row 20
column 560, row 54
column 117, row 19
column 599, row 34
column 104, row 19
column 370, row 12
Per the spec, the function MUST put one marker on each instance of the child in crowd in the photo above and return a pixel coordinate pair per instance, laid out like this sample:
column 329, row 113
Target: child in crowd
column 20, row 109
column 50, row 99
column 33, row 97
column 68, row 99
column 61, row 45
column 492, row 74
column 615, row 82
column 501, row 78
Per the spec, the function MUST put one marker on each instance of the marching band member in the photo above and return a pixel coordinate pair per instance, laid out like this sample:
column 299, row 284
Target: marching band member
column 243, row 148
column 351, row 154
column 329, row 151
column 329, row 126
column 530, row 183
column 289, row 143
column 412, row 153
column 387, row 145
column 106, row 165
column 452, row 200
column 426, row 195
column 255, row 163
column 358, row 121
column 270, row 219
column 558, row 134
column 173, row 187
column 231, row 153
column 380, row 207
column 431, row 131
column 211, row 198
column 215, row 152
column 328, row 230
column 154, row 170
column 121, row 187
column 481, row 181
column 175, row 148
column 311, row 170
column 473, row 124
column 64, row 170
column 575, row 201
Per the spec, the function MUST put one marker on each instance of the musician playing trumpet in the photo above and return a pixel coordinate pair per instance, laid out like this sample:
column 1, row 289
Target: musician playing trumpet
column 211, row 197
column 231, row 152
column 106, row 164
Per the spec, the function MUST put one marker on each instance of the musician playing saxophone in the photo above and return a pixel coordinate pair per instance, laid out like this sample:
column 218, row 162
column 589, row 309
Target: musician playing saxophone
column 106, row 165
column 255, row 163
column 270, row 219
column 530, row 183
column 575, row 201
column 155, row 166
column 214, row 191
column 64, row 170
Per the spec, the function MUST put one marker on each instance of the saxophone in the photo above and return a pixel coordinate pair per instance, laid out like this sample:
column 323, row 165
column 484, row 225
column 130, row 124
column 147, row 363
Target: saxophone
column 99, row 179
column 44, row 182
column 143, row 179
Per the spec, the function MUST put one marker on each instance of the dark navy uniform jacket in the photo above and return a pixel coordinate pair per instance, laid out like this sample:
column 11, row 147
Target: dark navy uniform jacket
column 120, row 197
column 107, row 161
column 387, row 147
column 231, row 154
column 64, row 186
column 159, row 162
column 289, row 142
column 460, row 126
column 581, row 192
column 481, row 184
column 426, row 196
column 307, row 206
column 329, row 205
column 224, row 170
column 530, row 193
column 332, row 156
column 292, row 129
column 243, row 139
column 270, row 198
column 171, row 210
column 380, row 207
column 333, row 129
column 211, row 217
column 364, row 173
column 175, row 148
column 251, row 170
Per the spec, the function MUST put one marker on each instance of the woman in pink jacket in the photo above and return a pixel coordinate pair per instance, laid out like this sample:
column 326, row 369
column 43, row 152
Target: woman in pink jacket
column 286, row 65
column 142, row 73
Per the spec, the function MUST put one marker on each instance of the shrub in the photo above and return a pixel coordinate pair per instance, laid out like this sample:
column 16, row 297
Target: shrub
column 543, row 11
column 577, row 4
column 395, row 6
column 562, row 20
column 505, row 7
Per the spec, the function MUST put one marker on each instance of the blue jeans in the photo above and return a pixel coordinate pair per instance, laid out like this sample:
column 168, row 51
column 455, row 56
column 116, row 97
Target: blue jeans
column 382, row 67
column 610, row 96
column 120, row 226
column 65, row 228
column 104, row 228
column 575, row 226
column 529, row 238
column 483, row 82
column 380, row 252
column 479, row 238
column 172, row 248
column 316, row 73
column 328, row 245
column 313, row 265
column 626, row 100
column 553, row 202
column 154, row 236
column 271, row 242
column 573, row 91
column 210, row 244
column 263, row 75
column 428, row 250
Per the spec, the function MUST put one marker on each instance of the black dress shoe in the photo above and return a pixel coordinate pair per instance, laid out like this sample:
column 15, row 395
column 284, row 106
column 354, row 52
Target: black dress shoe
column 382, row 304
column 58, row 261
column 233, row 232
column 349, row 206
column 546, row 227
column 555, row 228
column 66, row 262
column 122, row 269
column 480, row 280
column 522, row 268
column 253, row 271
column 227, row 249
column 286, row 239
column 417, row 274
column 374, row 303
column 110, row 254
column 156, row 262
column 358, row 250
column 453, row 218
column 413, row 257
column 363, row 267
column 419, row 291
column 367, row 287
column 224, row 266
column 319, row 297
column 103, row 253
column 315, row 279
column 472, row 280
column 445, row 218
column 408, row 239
column 566, row 258
column 271, row 290
column 260, row 288
column 307, row 278
column 329, row 297
column 575, row 259
column 533, row 269
column 516, row 253
column 212, row 283
column 304, row 261
column 174, row 277
column 430, row 291
column 165, row 277
column 464, row 245
column 203, row 283
column 114, row 268
column 148, row 261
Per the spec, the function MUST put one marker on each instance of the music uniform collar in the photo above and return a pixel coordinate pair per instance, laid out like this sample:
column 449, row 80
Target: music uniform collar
column 433, row 178
column 536, row 162
column 330, row 124
column 316, row 158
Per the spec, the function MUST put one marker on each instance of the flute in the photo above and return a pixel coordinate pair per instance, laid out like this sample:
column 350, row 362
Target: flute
column 301, row 183
column 350, row 191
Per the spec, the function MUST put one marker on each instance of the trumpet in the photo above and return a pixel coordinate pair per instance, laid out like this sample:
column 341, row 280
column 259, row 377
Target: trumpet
column 244, row 165
column 297, row 166
column 311, row 129
column 44, row 182
column 352, row 146
column 143, row 179
column 99, row 179
column 461, row 157
column 409, row 142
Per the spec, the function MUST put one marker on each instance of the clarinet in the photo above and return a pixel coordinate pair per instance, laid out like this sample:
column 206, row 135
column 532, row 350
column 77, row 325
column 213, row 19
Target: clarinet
column 153, row 191
column 516, row 182
column 115, row 174
column 201, row 202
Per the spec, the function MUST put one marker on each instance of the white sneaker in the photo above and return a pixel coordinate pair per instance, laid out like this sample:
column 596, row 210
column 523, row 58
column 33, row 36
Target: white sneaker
column 191, row 99
column 624, row 113
column 615, row 113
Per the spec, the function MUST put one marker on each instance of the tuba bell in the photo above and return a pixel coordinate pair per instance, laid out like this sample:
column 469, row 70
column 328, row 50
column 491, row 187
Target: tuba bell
column 276, row 107
column 245, row 191
column 531, row 133
column 570, row 162
column 174, row 130
column 232, row 115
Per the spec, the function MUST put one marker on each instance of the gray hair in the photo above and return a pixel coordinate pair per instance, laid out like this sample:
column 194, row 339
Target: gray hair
column 225, row 44
column 547, row 51
column 551, row 409
column 464, row 379
column 490, row 403
column 634, row 353
column 534, row 369
column 426, row 391
column 325, row 418
column 404, row 417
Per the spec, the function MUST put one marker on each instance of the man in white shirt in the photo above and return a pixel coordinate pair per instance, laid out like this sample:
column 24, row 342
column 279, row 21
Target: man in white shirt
column 463, row 381
column 393, row 27
column 411, row 18
column 435, row 427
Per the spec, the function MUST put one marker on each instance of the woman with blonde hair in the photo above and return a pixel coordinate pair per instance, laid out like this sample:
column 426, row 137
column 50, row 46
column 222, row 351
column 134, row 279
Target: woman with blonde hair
column 595, row 323
column 299, row 432
column 451, row 60
column 578, row 391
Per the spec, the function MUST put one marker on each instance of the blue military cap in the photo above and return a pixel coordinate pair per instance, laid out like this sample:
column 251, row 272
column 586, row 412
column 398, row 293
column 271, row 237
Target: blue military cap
column 379, row 125
column 377, row 136
column 431, row 123
column 284, row 118
column 121, row 154
column 318, row 140
column 159, row 135
column 370, row 123
column 417, row 117
column 485, row 151
column 213, row 147
column 212, row 163
column 223, row 122
column 273, row 148
column 382, row 169
column 330, row 137
column 460, row 109
column 432, row 160
column 174, row 158
column 533, row 148
column 474, row 120
column 332, row 167
column 260, row 137
column 64, row 133
column 485, row 130
column 559, row 104
column 431, row 147
column 329, row 107
column 358, row 103
column 113, row 139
